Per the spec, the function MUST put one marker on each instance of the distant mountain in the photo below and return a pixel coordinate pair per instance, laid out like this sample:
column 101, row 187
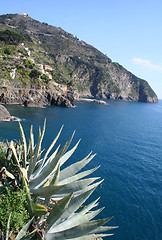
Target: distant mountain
column 37, row 55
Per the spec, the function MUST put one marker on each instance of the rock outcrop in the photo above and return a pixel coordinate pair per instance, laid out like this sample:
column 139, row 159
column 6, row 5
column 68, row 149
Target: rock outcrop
column 4, row 114
column 93, row 100
column 36, row 97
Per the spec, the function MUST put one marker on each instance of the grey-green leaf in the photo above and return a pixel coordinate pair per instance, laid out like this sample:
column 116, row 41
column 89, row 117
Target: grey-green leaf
column 76, row 167
column 24, row 230
column 78, row 231
column 73, row 221
column 46, row 191
column 58, row 210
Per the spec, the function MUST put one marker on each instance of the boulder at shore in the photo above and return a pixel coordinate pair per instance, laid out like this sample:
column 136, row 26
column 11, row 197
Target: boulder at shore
column 4, row 114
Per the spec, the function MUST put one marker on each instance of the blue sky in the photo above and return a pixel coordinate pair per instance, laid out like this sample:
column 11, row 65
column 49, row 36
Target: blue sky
column 127, row 31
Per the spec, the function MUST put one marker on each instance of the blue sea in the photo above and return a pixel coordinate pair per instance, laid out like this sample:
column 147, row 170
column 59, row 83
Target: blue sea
column 127, row 137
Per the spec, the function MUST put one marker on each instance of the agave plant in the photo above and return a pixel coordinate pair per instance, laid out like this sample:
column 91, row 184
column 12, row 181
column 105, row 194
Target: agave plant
column 55, row 197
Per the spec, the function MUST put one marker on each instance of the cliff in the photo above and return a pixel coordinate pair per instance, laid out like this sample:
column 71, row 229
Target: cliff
column 35, row 97
column 37, row 56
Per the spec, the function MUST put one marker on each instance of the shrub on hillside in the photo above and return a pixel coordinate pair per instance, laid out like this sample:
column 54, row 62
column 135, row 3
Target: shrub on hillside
column 11, row 37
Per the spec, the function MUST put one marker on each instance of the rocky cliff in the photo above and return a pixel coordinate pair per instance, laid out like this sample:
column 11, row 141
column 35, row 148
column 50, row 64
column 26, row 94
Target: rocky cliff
column 36, row 55
column 4, row 114
column 36, row 97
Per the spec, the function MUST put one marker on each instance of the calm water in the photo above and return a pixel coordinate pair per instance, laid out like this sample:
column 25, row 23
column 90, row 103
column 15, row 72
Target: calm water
column 127, row 138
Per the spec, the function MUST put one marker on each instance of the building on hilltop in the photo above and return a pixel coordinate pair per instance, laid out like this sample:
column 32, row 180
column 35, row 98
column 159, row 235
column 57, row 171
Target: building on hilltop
column 24, row 14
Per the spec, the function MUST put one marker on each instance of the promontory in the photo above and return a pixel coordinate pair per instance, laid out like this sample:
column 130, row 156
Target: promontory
column 44, row 65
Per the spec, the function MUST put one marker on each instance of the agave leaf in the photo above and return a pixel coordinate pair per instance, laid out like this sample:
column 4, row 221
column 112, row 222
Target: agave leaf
column 24, row 144
column 24, row 172
column 58, row 210
column 51, row 162
column 38, row 149
column 8, row 226
column 92, row 214
column 74, row 220
column 104, row 235
column 28, row 197
column 31, row 144
column 47, row 183
column 24, row 230
column 75, row 203
column 11, row 146
column 69, row 142
column 51, row 146
column 20, row 152
column 58, row 196
column 48, row 170
column 38, row 209
column 53, row 182
column 46, row 191
column 103, row 229
column 62, row 157
column 30, row 235
column 76, row 167
column 78, row 185
column 56, row 176
column 67, row 155
column 78, row 231
column 40, row 168
column 52, row 156
column 78, row 176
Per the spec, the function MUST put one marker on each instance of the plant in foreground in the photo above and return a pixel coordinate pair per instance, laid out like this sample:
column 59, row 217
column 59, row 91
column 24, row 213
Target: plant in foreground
column 54, row 196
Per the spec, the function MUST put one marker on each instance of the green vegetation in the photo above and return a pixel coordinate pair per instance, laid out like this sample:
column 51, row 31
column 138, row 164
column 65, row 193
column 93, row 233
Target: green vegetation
column 3, row 149
column 34, row 74
column 45, row 79
column 13, row 202
column 31, row 185
column 11, row 37
column 23, row 52
column 118, row 66
column 9, row 51
column 28, row 63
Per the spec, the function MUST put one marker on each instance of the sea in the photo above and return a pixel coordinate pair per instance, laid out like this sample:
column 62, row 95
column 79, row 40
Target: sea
column 127, row 137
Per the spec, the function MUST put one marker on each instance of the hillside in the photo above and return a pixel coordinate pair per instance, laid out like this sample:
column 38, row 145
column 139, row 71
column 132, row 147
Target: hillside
column 56, row 64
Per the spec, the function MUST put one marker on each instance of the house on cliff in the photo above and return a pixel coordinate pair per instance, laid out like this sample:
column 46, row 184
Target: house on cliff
column 63, row 87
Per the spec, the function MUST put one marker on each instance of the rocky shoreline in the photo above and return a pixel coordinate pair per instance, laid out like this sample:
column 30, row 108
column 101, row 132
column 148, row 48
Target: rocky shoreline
column 93, row 100
column 42, row 96
column 5, row 115
column 38, row 98
column 33, row 97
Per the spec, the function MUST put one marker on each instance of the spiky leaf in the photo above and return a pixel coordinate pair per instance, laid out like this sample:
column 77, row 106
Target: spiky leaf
column 46, row 191
column 58, row 210
column 24, row 230
column 38, row 209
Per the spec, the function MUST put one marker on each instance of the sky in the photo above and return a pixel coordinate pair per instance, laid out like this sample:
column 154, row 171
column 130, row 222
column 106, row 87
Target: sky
column 127, row 31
